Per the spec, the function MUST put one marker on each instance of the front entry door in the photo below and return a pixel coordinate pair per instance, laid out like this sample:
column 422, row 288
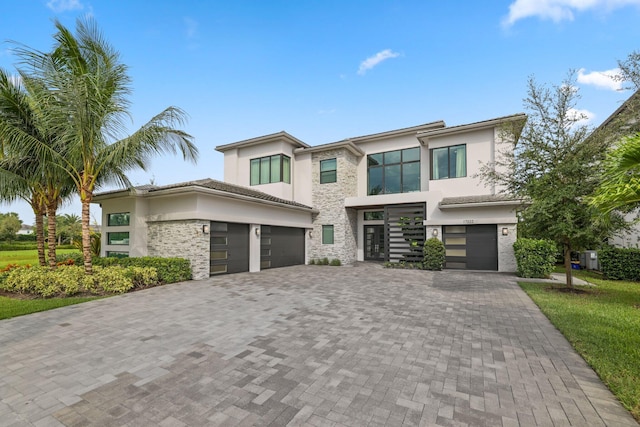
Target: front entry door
column 374, row 242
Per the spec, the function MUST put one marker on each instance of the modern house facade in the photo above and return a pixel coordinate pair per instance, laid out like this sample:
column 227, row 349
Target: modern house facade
column 370, row 198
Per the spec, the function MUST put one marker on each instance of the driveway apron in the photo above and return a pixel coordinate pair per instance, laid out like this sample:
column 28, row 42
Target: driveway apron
column 304, row 345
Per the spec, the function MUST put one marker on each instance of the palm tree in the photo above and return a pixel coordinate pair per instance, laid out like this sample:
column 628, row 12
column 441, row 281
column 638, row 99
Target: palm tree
column 70, row 225
column 620, row 188
column 85, row 88
column 29, row 174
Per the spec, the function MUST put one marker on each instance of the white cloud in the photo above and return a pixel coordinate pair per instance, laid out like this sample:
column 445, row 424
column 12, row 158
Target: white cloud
column 192, row 27
column 64, row 5
column 558, row 10
column 581, row 117
column 601, row 79
column 374, row 60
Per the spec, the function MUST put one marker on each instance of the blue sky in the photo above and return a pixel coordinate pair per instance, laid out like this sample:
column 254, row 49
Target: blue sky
column 326, row 70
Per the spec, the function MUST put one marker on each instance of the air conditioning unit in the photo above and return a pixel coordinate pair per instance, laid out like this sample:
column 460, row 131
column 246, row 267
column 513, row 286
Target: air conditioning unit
column 589, row 260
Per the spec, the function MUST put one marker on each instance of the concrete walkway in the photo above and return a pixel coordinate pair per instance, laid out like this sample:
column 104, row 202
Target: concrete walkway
column 306, row 345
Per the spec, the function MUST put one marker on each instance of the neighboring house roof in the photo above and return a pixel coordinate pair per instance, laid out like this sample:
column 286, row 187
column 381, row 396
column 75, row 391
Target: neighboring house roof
column 518, row 119
column 220, row 187
column 274, row 137
column 479, row 201
column 625, row 118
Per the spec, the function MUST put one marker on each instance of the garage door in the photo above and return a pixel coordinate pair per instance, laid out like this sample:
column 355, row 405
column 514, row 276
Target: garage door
column 229, row 248
column 471, row 247
column 281, row 246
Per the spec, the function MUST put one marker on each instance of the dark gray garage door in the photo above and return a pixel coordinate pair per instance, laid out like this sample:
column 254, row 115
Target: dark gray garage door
column 471, row 247
column 229, row 248
column 281, row 246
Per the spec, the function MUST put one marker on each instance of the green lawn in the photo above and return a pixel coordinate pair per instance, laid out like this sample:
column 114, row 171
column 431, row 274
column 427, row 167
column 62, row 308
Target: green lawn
column 603, row 325
column 23, row 257
column 10, row 307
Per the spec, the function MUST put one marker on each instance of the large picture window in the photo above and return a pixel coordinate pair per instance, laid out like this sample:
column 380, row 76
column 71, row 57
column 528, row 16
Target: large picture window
column 328, row 171
column 394, row 172
column 266, row 170
column 449, row 162
column 118, row 219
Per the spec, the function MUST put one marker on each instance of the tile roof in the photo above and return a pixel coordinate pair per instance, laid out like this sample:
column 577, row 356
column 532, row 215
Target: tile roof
column 218, row 186
column 485, row 198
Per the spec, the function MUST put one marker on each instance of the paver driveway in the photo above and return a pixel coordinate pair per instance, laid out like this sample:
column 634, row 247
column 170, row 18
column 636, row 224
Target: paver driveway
column 304, row 345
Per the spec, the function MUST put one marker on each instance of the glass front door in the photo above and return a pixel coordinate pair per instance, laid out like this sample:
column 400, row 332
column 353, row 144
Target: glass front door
column 374, row 242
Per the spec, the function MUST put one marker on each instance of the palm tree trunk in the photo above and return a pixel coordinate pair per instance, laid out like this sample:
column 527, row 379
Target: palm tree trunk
column 51, row 231
column 86, row 234
column 40, row 237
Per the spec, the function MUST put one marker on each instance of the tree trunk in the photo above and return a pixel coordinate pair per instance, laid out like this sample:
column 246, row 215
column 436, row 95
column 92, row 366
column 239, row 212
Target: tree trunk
column 86, row 234
column 51, row 231
column 40, row 237
column 567, row 265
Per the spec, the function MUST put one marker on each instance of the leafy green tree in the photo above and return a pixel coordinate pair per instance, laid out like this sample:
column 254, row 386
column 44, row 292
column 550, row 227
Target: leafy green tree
column 553, row 165
column 86, row 88
column 69, row 228
column 10, row 224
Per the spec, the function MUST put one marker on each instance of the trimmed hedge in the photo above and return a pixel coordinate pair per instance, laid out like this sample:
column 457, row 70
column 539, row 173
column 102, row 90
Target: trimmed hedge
column 434, row 254
column 620, row 263
column 68, row 280
column 170, row 270
column 535, row 258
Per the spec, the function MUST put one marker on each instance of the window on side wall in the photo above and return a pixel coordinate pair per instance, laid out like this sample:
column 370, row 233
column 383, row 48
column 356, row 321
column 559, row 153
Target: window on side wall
column 118, row 238
column 328, row 171
column 327, row 234
column 449, row 162
column 269, row 169
column 118, row 219
column 393, row 172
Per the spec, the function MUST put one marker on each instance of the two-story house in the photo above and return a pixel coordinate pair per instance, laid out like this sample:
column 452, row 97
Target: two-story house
column 376, row 197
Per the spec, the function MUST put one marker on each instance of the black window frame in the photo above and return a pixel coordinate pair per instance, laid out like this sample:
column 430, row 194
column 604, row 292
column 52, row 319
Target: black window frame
column 333, row 237
column 281, row 176
column 431, row 170
column 381, row 166
column 110, row 224
column 330, row 175
column 111, row 234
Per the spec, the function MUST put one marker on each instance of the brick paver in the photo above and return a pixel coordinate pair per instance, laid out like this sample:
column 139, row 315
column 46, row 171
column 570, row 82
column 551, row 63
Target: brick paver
column 302, row 346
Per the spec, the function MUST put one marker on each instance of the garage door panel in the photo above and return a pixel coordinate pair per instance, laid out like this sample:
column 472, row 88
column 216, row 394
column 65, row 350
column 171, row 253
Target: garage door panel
column 281, row 246
column 229, row 248
column 471, row 247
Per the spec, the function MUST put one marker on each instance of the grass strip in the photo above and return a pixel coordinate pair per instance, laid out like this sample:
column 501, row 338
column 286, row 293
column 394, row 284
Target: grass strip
column 603, row 325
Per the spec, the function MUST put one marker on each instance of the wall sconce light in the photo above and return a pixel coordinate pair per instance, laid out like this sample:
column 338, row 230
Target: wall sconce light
column 505, row 231
column 257, row 231
column 310, row 234
column 205, row 229
column 434, row 232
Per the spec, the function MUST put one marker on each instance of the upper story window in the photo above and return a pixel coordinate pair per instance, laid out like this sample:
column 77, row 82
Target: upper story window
column 449, row 162
column 328, row 171
column 265, row 170
column 394, row 172
column 117, row 219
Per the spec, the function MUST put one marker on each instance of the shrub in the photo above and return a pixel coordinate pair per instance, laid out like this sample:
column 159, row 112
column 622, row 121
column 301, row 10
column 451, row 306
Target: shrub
column 110, row 280
column 335, row 262
column 312, row 262
column 620, row 263
column 169, row 270
column 75, row 258
column 535, row 258
column 41, row 281
column 434, row 254
column 143, row 277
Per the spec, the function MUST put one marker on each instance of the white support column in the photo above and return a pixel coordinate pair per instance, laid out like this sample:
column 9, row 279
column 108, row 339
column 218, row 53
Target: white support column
column 254, row 247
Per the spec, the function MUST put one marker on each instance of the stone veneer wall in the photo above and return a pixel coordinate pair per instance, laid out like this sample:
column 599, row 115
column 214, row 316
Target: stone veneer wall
column 181, row 239
column 506, row 255
column 329, row 200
